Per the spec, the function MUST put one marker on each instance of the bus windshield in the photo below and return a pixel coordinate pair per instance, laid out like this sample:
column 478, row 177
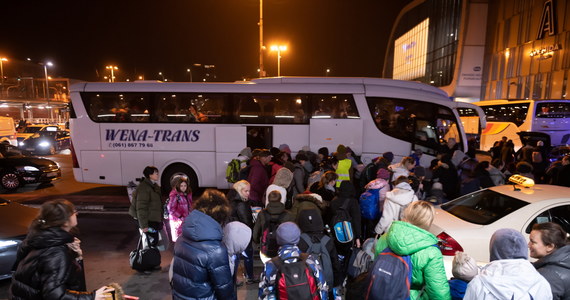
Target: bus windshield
column 553, row 110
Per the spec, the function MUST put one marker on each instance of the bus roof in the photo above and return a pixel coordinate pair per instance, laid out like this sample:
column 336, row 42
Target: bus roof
column 356, row 83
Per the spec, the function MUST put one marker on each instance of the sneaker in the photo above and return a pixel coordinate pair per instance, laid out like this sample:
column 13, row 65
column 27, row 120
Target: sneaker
column 252, row 280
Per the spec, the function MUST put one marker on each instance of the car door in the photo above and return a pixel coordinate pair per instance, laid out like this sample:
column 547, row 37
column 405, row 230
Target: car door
column 559, row 214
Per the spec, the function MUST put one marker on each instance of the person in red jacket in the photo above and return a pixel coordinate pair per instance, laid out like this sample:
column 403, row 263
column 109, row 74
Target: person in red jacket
column 258, row 177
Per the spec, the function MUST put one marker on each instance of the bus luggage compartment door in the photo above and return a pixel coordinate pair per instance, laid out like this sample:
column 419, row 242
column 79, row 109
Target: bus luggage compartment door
column 332, row 132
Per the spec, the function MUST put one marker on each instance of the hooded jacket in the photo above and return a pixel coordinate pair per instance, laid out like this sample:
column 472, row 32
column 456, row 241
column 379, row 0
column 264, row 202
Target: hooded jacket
column 147, row 205
column 306, row 201
column 396, row 200
column 201, row 268
column 509, row 275
column 281, row 183
column 274, row 209
column 556, row 269
column 179, row 205
column 236, row 238
column 46, row 268
column 427, row 262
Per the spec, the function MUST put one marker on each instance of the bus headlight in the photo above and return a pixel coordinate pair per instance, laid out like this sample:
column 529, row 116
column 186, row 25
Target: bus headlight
column 21, row 144
column 44, row 144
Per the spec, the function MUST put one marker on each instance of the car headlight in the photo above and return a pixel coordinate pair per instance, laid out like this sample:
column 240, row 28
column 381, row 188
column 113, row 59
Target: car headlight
column 21, row 143
column 7, row 243
column 27, row 168
column 44, row 144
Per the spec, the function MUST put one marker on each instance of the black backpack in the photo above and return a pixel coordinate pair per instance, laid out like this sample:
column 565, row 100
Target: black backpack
column 321, row 253
column 295, row 280
column 268, row 243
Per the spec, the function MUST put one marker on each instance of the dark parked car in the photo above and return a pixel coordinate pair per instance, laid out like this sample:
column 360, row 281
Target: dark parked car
column 17, row 169
column 47, row 142
column 14, row 222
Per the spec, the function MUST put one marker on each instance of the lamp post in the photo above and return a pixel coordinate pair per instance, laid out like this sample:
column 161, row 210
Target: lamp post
column 46, row 64
column 278, row 49
column 2, row 60
column 261, row 70
column 327, row 72
column 112, row 68
column 189, row 70
column 162, row 75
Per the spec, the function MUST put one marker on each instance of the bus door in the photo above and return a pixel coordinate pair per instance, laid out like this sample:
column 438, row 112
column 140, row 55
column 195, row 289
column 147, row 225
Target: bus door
column 230, row 140
column 473, row 121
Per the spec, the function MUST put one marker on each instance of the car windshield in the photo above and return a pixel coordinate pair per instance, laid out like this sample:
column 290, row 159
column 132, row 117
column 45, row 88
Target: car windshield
column 483, row 207
column 32, row 129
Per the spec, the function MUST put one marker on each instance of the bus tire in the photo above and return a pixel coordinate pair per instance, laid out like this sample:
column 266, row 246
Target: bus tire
column 171, row 172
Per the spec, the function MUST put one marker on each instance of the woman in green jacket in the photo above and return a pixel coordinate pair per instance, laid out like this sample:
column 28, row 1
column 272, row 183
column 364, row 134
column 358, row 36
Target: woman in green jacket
column 410, row 237
column 147, row 205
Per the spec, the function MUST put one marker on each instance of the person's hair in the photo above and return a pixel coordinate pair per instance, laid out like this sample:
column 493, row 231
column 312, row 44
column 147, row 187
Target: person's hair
column 274, row 196
column 214, row 204
column 327, row 177
column 497, row 162
column 419, row 213
column 400, row 179
column 523, row 167
column 408, row 159
column 149, row 170
column 179, row 181
column 240, row 185
column 54, row 213
column 301, row 156
column 551, row 234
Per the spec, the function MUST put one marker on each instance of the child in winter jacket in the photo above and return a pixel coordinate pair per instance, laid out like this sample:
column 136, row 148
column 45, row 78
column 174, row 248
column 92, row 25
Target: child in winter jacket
column 464, row 268
column 179, row 206
column 396, row 201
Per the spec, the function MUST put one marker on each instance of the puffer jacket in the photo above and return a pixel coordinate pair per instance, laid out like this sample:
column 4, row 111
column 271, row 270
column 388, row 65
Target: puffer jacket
column 556, row 269
column 46, row 268
column 306, row 201
column 147, row 206
column 201, row 268
column 396, row 200
column 241, row 211
column 427, row 262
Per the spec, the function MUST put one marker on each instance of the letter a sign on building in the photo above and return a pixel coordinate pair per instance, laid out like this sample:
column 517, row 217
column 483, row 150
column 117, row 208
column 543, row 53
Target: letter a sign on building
column 547, row 20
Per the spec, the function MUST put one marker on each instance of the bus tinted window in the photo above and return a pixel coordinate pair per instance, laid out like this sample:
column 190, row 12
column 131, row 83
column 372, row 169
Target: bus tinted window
column 428, row 126
column 117, row 107
column 190, row 108
column 553, row 110
column 514, row 113
column 271, row 108
column 333, row 107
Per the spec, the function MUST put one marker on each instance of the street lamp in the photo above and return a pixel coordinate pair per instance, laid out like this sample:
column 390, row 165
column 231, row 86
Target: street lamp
column 48, row 64
column 2, row 60
column 328, row 71
column 261, row 48
column 189, row 70
column 113, row 69
column 162, row 75
column 278, row 49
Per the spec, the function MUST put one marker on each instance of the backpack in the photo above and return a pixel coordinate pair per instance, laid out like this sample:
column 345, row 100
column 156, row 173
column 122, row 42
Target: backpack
column 321, row 253
column 268, row 241
column 369, row 204
column 295, row 280
column 390, row 277
column 361, row 259
column 368, row 174
column 233, row 171
column 341, row 224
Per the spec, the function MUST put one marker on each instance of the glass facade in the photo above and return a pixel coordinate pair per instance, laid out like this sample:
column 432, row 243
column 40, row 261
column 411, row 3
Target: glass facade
column 527, row 55
column 436, row 64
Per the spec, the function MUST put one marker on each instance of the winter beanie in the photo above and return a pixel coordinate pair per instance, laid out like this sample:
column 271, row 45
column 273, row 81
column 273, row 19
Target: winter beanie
column 388, row 156
column 464, row 266
column 288, row 233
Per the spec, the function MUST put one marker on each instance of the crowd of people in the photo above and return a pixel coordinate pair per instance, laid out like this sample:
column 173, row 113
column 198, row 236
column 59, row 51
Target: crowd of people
column 289, row 210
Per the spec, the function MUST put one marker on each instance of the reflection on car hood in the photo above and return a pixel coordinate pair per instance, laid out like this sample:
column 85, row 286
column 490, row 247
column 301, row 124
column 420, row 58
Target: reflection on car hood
column 29, row 161
column 15, row 219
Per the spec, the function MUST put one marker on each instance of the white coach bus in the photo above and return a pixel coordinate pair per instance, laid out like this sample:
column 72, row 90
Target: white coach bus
column 197, row 128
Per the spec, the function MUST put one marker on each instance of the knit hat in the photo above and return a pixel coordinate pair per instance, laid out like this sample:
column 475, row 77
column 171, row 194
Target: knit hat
column 383, row 174
column 285, row 148
column 245, row 152
column 274, row 151
column 310, row 220
column 464, row 266
column 419, row 171
column 340, row 152
column 288, row 233
column 508, row 243
column 324, row 151
column 388, row 156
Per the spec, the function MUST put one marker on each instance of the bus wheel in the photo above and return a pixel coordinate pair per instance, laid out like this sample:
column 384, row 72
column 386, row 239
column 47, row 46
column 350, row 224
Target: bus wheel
column 171, row 174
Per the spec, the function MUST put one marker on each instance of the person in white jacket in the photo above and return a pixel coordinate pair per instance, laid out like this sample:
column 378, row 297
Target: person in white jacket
column 396, row 201
column 509, row 275
column 402, row 168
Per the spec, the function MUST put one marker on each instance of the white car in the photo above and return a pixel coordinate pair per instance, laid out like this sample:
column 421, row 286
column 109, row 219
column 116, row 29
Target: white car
column 468, row 222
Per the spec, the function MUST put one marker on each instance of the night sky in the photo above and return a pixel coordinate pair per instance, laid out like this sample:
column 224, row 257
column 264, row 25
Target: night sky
column 145, row 37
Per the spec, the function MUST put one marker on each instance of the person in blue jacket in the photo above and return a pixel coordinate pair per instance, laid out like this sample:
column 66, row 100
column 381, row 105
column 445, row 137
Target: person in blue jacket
column 201, row 267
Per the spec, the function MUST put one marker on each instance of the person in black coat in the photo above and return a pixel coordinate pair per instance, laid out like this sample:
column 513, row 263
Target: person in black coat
column 549, row 243
column 446, row 173
column 48, row 263
column 241, row 212
column 347, row 192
